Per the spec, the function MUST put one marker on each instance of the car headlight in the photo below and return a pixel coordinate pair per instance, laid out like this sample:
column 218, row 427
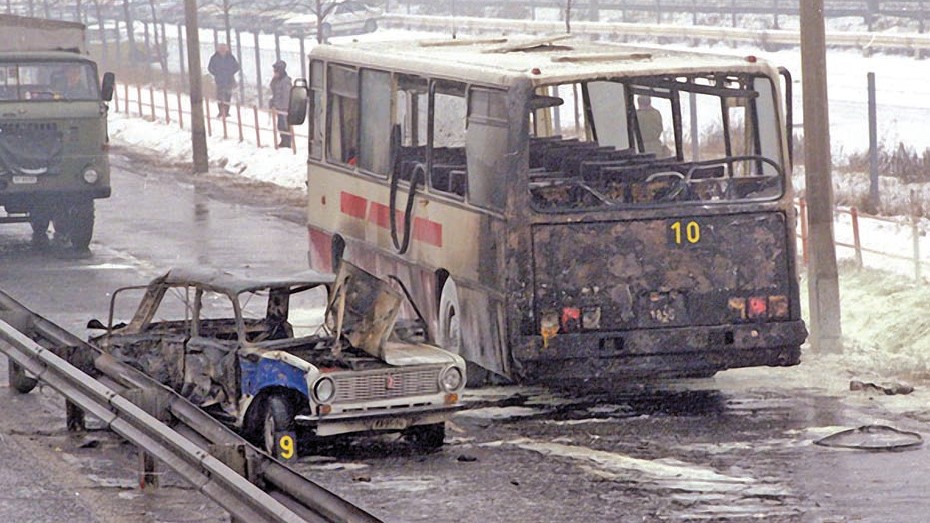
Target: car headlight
column 451, row 379
column 91, row 176
column 324, row 390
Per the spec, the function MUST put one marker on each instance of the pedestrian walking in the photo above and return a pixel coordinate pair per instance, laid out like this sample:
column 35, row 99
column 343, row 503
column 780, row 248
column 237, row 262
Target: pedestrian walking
column 223, row 66
column 280, row 98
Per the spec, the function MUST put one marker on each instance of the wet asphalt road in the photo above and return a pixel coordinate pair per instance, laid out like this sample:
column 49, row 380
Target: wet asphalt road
column 734, row 448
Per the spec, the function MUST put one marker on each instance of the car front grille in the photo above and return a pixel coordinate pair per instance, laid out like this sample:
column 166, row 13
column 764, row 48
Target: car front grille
column 398, row 383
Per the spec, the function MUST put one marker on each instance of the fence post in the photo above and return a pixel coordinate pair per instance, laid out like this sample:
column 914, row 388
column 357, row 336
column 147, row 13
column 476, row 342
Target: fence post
column 303, row 57
column 182, row 59
column 274, row 127
column 152, row 101
column 180, row 111
column 164, row 93
column 206, row 104
column 258, row 131
column 857, row 244
column 915, row 234
column 241, row 72
column 139, row 99
column 126, row 98
column 225, row 133
column 805, row 256
column 239, row 120
column 116, row 98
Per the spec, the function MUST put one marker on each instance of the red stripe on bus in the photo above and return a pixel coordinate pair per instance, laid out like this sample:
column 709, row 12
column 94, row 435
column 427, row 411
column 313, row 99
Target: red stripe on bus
column 380, row 215
column 424, row 230
column 427, row 231
column 354, row 206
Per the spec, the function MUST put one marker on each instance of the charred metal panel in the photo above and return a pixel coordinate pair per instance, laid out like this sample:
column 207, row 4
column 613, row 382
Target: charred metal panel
column 659, row 273
column 271, row 373
column 156, row 354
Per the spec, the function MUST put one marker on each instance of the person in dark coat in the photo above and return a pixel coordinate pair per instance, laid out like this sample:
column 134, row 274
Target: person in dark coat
column 223, row 66
column 280, row 97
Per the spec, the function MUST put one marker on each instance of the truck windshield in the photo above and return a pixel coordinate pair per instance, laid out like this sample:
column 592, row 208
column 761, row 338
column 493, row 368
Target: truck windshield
column 43, row 81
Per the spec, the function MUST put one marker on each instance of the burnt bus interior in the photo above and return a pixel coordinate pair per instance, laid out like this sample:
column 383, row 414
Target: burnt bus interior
column 720, row 141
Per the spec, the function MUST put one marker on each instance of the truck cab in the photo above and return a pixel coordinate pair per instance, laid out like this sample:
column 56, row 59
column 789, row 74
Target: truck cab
column 53, row 129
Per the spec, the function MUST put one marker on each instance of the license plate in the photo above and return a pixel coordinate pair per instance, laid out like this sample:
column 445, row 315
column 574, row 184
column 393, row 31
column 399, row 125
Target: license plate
column 25, row 179
column 389, row 424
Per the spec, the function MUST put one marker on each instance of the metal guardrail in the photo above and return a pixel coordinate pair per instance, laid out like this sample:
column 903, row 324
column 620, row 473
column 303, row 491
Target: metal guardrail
column 620, row 30
column 249, row 484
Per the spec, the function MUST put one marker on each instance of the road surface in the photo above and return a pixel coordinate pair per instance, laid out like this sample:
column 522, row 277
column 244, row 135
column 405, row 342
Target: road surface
column 738, row 447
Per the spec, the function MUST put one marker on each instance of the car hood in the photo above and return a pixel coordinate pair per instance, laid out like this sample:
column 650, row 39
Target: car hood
column 403, row 354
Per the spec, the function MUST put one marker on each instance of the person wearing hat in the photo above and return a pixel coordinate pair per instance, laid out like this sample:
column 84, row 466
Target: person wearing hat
column 280, row 96
column 223, row 66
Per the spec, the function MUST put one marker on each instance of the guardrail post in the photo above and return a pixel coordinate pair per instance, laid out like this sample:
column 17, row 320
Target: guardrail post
column 74, row 417
column 854, row 213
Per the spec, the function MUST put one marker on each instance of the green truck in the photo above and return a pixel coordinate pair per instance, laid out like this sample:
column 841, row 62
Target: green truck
column 53, row 129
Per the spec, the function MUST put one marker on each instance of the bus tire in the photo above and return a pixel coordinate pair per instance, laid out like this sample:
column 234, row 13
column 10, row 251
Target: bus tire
column 450, row 326
column 18, row 380
column 450, row 333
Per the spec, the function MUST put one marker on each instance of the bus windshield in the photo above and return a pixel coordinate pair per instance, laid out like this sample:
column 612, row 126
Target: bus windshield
column 43, row 81
column 657, row 140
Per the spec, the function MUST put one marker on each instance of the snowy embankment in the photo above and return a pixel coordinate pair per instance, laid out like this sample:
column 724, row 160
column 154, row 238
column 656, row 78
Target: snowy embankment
column 172, row 145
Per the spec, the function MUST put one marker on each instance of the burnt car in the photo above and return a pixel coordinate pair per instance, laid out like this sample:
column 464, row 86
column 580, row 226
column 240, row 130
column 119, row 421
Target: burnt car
column 318, row 353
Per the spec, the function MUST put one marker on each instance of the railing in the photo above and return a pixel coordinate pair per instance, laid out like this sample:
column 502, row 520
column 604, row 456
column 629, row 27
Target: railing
column 244, row 123
column 622, row 31
column 901, row 240
column 163, row 425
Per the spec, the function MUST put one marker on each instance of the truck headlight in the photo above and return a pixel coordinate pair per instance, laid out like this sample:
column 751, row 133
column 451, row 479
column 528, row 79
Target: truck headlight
column 324, row 390
column 91, row 176
column 451, row 379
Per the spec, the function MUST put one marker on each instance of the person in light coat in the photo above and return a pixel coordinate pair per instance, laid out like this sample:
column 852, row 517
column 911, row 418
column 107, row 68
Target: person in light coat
column 280, row 97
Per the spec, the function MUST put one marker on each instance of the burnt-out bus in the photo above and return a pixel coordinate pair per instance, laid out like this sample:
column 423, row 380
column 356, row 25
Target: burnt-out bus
column 565, row 209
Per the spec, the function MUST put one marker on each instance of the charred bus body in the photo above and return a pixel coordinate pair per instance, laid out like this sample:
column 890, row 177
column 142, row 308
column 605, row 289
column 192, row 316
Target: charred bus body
column 53, row 133
column 568, row 209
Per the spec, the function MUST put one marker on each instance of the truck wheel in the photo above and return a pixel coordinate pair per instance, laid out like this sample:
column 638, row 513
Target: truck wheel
column 39, row 223
column 81, row 216
column 426, row 437
column 278, row 417
column 18, row 379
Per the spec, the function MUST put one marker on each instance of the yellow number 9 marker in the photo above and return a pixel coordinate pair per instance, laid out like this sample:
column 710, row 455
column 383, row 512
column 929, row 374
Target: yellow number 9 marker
column 286, row 446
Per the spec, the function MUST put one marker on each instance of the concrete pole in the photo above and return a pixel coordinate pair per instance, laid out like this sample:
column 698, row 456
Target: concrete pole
column 198, row 132
column 823, row 279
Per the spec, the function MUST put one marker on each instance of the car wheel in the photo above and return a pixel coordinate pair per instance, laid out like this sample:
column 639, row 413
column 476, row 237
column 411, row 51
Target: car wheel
column 371, row 26
column 18, row 379
column 278, row 417
column 426, row 437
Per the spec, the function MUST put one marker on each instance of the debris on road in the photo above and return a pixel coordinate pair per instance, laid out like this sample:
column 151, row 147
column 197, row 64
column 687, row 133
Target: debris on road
column 873, row 438
column 888, row 388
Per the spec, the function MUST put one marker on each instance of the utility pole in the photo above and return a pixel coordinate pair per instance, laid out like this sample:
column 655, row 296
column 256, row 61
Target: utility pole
column 823, row 278
column 198, row 132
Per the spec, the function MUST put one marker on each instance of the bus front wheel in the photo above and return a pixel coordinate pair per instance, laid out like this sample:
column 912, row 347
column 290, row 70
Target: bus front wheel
column 450, row 326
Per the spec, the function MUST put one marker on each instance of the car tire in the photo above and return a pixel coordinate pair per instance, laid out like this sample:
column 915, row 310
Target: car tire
column 426, row 437
column 20, row 382
column 277, row 417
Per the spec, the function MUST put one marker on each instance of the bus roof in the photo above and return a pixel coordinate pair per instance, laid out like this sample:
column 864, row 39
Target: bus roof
column 541, row 60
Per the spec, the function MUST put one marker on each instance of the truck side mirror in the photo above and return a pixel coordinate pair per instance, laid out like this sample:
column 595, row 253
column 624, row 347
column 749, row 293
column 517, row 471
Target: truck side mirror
column 109, row 84
column 297, row 105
